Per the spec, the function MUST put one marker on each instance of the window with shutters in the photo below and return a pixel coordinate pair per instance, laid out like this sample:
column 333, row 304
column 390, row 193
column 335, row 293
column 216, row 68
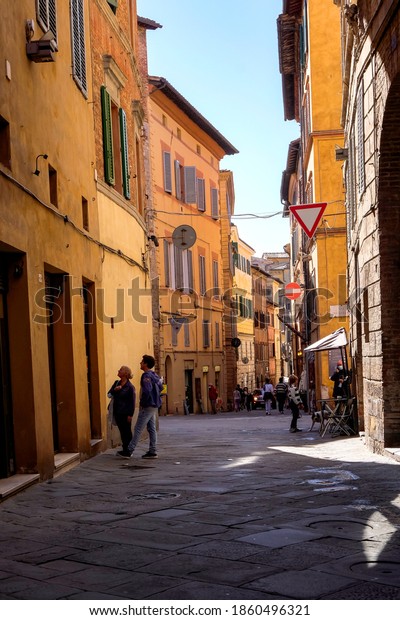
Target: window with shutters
column 201, row 194
column 214, row 203
column 202, row 275
column 206, row 334
column 190, row 184
column 215, row 278
column 46, row 15
column 78, row 45
column 178, row 268
column 115, row 145
column 217, row 336
column 166, row 157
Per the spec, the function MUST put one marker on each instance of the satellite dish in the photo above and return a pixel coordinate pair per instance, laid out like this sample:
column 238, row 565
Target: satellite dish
column 184, row 237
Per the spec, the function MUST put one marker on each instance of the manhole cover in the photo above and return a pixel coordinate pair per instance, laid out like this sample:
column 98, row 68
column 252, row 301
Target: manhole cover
column 155, row 495
column 377, row 569
column 337, row 525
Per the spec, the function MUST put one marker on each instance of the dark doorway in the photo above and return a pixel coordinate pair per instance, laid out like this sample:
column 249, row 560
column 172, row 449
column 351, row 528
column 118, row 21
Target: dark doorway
column 189, row 390
column 7, row 456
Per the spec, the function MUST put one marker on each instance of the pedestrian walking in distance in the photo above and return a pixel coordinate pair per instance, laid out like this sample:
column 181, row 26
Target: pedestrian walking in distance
column 281, row 394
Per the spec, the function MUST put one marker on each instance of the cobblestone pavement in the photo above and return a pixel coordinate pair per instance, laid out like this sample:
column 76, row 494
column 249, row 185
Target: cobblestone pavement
column 236, row 507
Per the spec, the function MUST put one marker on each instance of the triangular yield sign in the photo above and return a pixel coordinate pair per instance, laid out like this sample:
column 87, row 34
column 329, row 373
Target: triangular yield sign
column 308, row 216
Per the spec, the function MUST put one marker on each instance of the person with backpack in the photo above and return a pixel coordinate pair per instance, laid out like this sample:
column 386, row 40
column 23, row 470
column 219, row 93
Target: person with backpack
column 281, row 394
column 150, row 401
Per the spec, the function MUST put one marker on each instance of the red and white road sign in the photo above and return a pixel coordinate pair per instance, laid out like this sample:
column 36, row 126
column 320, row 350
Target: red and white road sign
column 293, row 290
column 308, row 216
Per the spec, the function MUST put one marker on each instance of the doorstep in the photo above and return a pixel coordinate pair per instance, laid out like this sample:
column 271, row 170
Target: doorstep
column 16, row 483
column 63, row 461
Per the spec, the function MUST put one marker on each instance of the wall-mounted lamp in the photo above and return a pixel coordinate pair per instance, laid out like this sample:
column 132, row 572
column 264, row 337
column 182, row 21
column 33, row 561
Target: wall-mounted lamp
column 154, row 239
column 37, row 171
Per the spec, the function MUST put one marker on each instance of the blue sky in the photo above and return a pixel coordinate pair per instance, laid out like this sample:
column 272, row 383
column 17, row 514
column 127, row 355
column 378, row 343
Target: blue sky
column 222, row 56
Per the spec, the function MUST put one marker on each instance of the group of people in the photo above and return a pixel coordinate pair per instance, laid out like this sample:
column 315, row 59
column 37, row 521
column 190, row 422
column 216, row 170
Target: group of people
column 281, row 394
column 123, row 398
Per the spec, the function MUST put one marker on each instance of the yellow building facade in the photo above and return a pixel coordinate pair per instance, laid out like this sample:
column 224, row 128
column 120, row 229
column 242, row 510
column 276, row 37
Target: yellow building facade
column 119, row 104
column 242, row 291
column 186, row 151
column 311, row 65
column 75, row 291
column 52, row 352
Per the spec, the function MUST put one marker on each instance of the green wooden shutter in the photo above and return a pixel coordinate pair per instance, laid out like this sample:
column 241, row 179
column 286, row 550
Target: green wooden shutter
column 109, row 171
column 124, row 154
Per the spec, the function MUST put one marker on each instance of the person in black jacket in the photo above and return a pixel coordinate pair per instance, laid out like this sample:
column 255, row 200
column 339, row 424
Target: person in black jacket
column 281, row 390
column 124, row 398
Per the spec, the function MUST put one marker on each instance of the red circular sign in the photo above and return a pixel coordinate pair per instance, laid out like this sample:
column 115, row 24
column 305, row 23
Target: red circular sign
column 293, row 290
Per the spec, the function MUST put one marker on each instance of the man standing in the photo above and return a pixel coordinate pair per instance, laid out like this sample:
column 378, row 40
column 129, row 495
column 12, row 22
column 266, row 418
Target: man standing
column 281, row 394
column 150, row 401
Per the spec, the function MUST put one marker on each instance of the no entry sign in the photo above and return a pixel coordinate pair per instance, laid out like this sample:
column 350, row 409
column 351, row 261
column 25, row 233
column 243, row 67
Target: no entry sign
column 293, row 290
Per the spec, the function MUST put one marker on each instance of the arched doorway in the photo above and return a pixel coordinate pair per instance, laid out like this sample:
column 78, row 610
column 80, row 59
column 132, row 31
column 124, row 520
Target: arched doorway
column 389, row 256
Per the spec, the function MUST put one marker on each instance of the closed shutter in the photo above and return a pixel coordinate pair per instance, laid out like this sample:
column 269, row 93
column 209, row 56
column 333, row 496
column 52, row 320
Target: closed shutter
column 214, row 203
column 167, row 171
column 178, row 268
column 201, row 195
column 109, row 172
column 124, row 154
column 190, row 184
column 78, row 45
column 190, row 270
column 166, row 264
column 206, row 334
column 178, row 182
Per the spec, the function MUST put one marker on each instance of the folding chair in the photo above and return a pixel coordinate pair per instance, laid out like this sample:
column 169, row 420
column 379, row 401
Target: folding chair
column 343, row 418
column 331, row 416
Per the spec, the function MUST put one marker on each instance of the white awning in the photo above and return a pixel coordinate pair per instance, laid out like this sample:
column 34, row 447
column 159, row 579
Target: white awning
column 336, row 340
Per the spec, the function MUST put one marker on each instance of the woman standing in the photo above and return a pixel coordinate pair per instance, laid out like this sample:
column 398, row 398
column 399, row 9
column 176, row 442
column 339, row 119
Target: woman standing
column 295, row 403
column 124, row 395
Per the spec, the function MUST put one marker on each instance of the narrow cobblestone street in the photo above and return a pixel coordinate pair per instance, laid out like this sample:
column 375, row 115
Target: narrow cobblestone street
column 236, row 507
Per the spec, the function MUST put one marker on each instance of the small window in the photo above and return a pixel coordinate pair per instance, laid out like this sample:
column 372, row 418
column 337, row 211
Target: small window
column 215, row 278
column 5, row 144
column 85, row 214
column 179, row 133
column 53, row 186
column 198, row 149
column 217, row 336
column 186, row 334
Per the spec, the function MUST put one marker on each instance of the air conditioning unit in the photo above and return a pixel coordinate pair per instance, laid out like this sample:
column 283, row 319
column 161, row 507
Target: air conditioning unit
column 42, row 50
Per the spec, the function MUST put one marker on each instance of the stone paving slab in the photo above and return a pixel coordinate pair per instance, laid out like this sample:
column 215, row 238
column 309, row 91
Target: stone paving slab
column 236, row 507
